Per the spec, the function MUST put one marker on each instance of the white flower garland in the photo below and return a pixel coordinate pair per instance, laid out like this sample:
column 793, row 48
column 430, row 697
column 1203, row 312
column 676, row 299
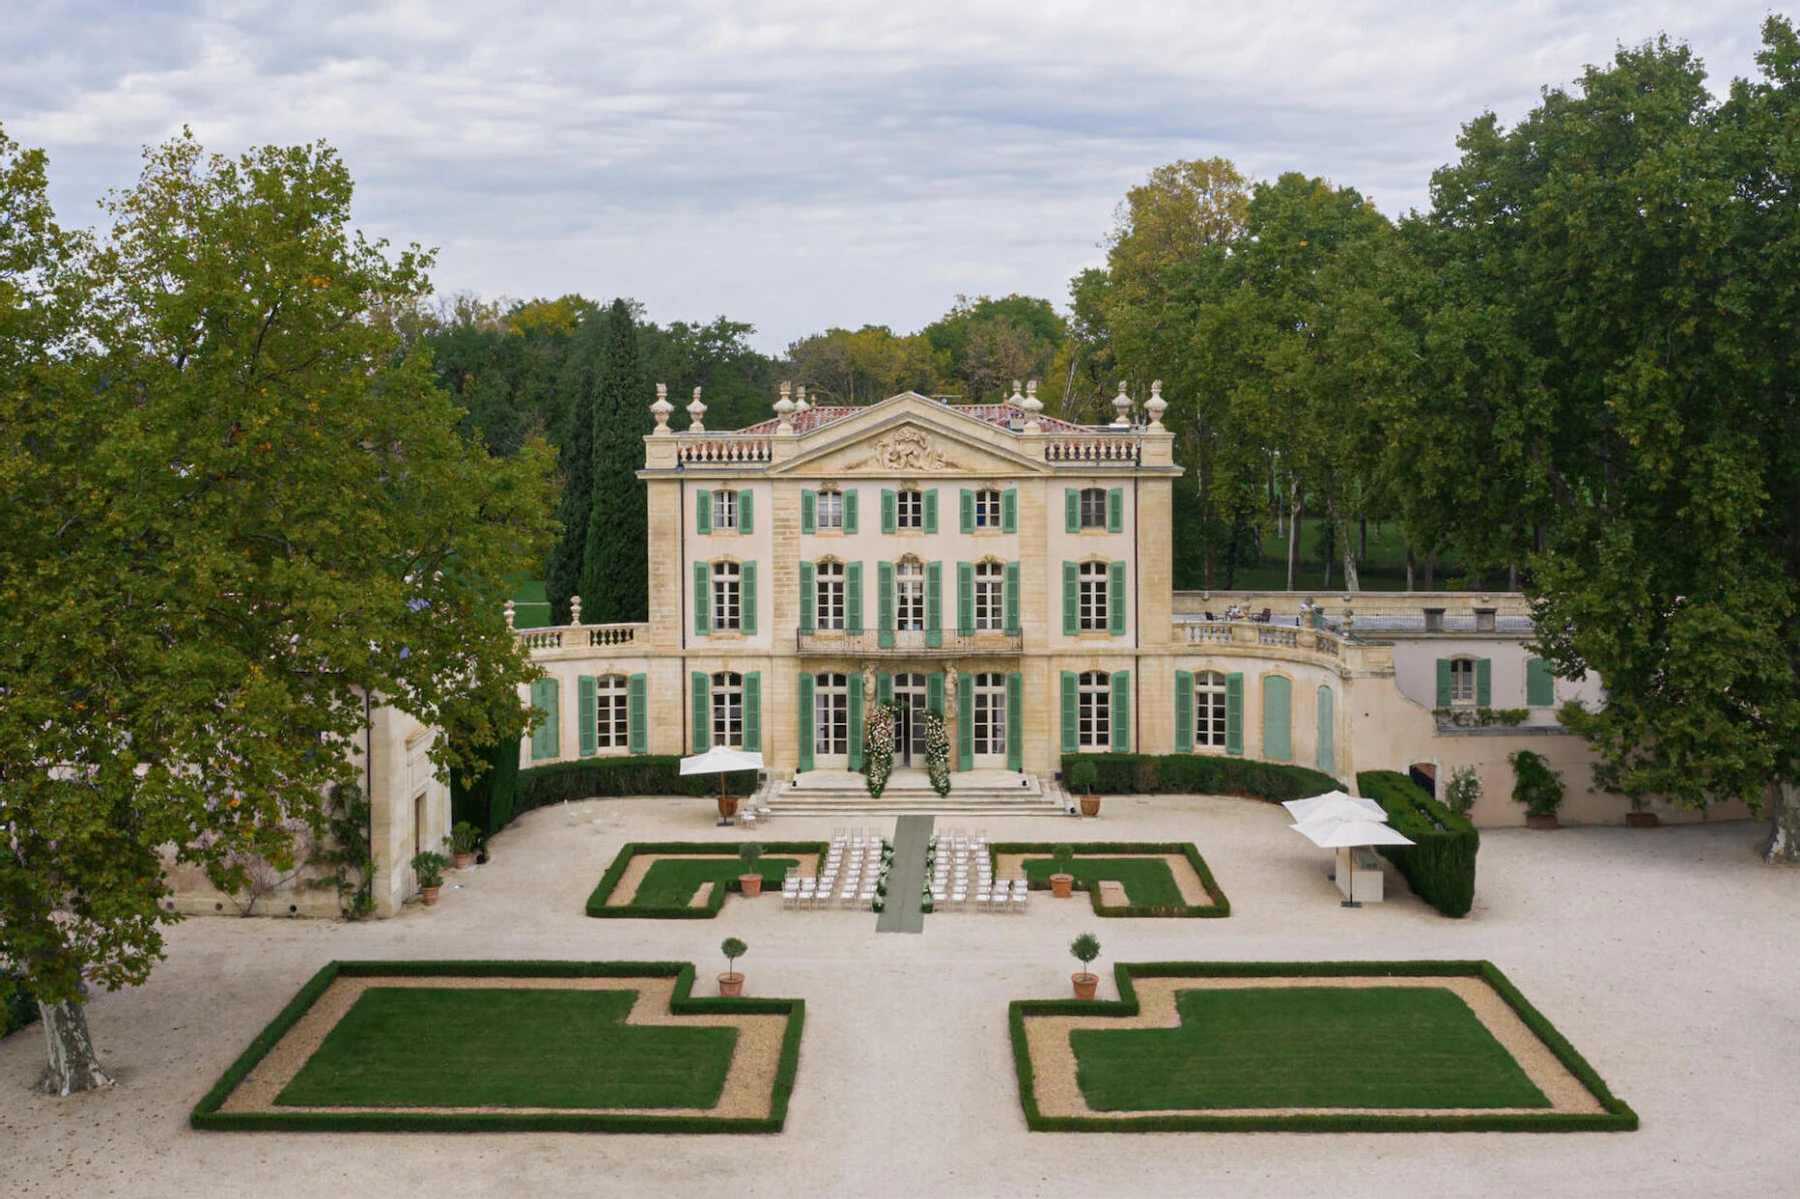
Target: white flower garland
column 878, row 756
column 937, row 753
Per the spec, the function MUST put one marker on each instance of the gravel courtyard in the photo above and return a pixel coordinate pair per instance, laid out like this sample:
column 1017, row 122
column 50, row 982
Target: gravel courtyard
column 1668, row 957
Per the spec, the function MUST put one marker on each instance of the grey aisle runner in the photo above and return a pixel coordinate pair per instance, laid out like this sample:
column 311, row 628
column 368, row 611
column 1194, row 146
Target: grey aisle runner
column 906, row 878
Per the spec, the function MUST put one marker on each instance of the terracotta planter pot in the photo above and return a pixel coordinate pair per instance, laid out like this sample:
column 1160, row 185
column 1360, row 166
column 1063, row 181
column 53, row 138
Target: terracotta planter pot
column 1542, row 823
column 1090, row 805
column 750, row 884
column 1060, row 885
column 464, row 860
column 1085, row 984
column 431, row 895
column 731, row 984
column 727, row 806
column 1642, row 820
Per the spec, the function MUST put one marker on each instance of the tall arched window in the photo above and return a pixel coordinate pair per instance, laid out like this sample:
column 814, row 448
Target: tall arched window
column 990, row 596
column 1209, row 709
column 1093, row 699
column 728, row 710
column 909, row 594
column 828, row 585
column 612, row 712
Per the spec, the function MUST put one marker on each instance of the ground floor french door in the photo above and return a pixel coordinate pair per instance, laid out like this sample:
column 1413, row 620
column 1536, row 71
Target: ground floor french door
column 831, row 721
column 909, row 734
column 989, row 718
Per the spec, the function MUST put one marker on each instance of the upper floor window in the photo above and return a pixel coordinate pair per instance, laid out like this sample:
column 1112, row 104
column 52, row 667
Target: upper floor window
column 1209, row 708
column 1462, row 680
column 990, row 596
column 1094, row 710
column 727, row 595
column 828, row 594
column 909, row 511
column 724, row 510
column 987, row 509
column 909, row 594
column 831, row 509
column 612, row 712
column 728, row 710
column 1093, row 508
column 1093, row 584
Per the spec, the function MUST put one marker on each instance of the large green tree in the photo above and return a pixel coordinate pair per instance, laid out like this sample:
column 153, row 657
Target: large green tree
column 615, row 573
column 235, row 506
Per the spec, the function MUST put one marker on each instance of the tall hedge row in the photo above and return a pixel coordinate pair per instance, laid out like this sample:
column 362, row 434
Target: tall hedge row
column 1440, row 867
column 639, row 774
column 1200, row 774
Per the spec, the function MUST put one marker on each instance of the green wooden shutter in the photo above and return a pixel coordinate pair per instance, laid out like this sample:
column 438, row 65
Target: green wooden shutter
column 1327, row 754
column 1015, row 721
column 746, row 512
column 887, row 511
column 808, row 593
column 637, row 714
column 1070, row 740
column 1234, row 713
column 884, row 604
column 806, row 722
column 753, row 712
column 965, row 721
column 934, row 692
column 853, row 597
column 1443, row 682
column 1115, row 598
column 586, row 711
column 1071, row 601
column 856, row 722
column 931, row 511
column 968, row 510
column 809, row 511
column 1277, row 718
column 703, row 512
column 747, row 598
column 1484, row 683
column 702, row 599
column 1119, row 696
column 1071, row 510
column 1009, row 510
column 965, row 598
column 701, row 710
column 884, row 688
column 1540, row 684
column 1011, row 579
column 1115, row 510
column 850, row 512
column 544, row 735
column 934, row 605
column 1184, row 711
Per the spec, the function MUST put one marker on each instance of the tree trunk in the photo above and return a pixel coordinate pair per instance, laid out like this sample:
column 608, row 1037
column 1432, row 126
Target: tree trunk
column 1431, row 572
column 1409, row 568
column 1362, row 538
column 1783, row 842
column 1294, row 519
column 73, row 1066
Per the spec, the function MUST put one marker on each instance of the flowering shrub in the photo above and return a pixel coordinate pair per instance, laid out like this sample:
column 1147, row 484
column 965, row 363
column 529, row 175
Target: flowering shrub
column 878, row 753
column 937, row 753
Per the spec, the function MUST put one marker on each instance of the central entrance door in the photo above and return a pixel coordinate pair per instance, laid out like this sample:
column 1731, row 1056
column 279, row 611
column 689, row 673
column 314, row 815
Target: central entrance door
column 909, row 736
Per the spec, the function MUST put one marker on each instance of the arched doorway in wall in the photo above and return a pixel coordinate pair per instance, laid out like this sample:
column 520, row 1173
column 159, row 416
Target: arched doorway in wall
column 1424, row 774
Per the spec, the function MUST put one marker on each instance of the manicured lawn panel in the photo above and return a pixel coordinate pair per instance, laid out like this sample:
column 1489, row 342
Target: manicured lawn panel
column 401, row 1046
column 671, row 903
column 1172, row 905
column 1148, row 882
column 674, row 884
column 1305, row 1047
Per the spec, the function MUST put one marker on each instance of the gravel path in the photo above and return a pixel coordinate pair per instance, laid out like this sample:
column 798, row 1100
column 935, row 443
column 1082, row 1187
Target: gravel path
column 1666, row 956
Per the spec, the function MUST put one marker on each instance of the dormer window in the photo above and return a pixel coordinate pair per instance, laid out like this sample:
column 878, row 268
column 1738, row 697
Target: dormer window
column 909, row 511
column 1093, row 508
column 724, row 510
column 831, row 509
column 987, row 509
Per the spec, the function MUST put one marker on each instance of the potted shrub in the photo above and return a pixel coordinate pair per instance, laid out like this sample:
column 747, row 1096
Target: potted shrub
column 428, row 867
column 731, row 982
column 463, row 839
column 1082, row 776
column 1085, row 949
column 1538, row 787
column 750, row 882
column 1062, row 881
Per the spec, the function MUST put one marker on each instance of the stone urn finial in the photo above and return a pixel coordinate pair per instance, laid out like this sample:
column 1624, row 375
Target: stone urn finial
column 697, row 410
column 784, row 410
column 1016, row 399
column 1156, row 406
column 510, row 613
column 1122, row 406
column 661, row 409
column 575, row 609
column 800, row 404
column 1032, row 405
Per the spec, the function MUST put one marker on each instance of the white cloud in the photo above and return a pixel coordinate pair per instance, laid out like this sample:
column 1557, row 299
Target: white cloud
column 804, row 163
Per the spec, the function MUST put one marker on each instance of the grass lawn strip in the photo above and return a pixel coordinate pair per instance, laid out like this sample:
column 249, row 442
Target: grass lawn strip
column 1059, row 1093
column 625, row 894
column 746, row 1093
column 1180, row 871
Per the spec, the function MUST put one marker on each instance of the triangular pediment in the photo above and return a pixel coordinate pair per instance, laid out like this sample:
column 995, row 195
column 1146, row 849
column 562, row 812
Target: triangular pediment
column 911, row 435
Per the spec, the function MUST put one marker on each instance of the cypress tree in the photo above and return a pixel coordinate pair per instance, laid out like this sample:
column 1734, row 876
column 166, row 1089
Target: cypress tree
column 615, row 577
column 563, row 573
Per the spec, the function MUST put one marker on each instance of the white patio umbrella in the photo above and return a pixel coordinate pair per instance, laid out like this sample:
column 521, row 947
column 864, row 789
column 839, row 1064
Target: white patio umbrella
column 1350, row 833
column 1334, row 805
column 721, row 761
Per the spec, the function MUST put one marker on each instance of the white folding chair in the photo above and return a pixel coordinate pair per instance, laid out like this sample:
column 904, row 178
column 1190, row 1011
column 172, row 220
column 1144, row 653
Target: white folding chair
column 1021, row 894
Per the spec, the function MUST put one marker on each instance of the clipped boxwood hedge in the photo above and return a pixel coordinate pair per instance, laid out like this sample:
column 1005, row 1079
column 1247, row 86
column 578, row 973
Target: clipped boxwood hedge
column 639, row 774
column 1220, row 906
column 1617, row 1116
column 597, row 906
column 207, row 1113
column 1440, row 867
column 18, row 1007
column 1200, row 774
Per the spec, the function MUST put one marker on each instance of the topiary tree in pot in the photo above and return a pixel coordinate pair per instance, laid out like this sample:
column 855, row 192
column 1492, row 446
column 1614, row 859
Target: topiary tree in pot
column 428, row 868
column 1536, row 786
column 1062, row 882
column 461, row 842
column 731, row 982
column 1082, row 776
column 1085, row 949
column 750, row 882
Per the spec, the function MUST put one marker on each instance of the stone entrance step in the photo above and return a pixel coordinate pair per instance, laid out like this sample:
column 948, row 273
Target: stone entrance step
column 972, row 793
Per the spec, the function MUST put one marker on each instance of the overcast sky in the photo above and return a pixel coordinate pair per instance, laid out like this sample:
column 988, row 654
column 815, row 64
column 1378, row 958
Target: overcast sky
column 797, row 164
